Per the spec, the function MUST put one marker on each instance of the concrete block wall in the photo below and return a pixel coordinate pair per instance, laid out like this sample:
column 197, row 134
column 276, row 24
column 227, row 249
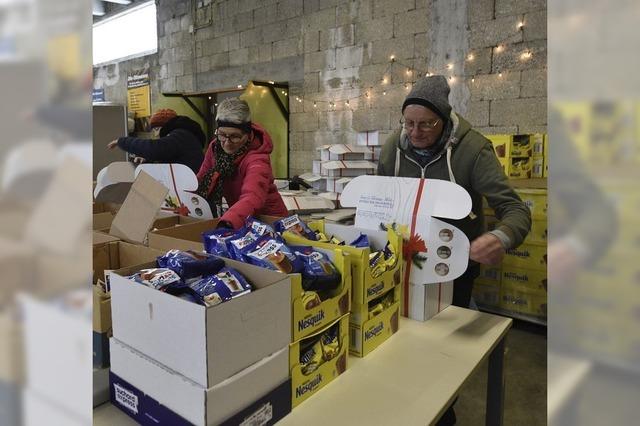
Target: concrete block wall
column 331, row 51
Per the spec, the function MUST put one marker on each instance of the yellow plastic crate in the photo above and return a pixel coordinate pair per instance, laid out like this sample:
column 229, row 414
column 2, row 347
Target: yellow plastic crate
column 536, row 201
column 525, row 279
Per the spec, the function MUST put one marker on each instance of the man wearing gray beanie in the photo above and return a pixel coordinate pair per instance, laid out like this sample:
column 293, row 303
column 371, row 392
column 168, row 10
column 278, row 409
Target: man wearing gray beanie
column 436, row 143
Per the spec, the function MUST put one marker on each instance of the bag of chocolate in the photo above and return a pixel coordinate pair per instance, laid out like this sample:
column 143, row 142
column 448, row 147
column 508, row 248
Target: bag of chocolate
column 189, row 264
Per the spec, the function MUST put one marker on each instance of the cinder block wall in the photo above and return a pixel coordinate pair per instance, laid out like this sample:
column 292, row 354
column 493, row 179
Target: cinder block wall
column 331, row 51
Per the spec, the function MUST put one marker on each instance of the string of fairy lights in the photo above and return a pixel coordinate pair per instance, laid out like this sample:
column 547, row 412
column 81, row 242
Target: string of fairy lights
column 411, row 74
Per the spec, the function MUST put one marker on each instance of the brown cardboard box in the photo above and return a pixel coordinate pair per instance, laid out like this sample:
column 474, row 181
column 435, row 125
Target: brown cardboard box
column 101, row 310
column 119, row 254
column 186, row 237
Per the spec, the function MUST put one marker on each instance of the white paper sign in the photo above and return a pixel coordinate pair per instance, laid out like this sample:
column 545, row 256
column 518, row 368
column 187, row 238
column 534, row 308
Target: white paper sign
column 414, row 203
column 180, row 179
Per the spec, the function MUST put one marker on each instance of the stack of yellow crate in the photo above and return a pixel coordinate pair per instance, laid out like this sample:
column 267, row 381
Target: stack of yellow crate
column 519, row 284
column 375, row 302
column 521, row 156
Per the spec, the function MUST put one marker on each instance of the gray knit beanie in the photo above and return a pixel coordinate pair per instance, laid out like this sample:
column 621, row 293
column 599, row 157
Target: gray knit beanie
column 433, row 93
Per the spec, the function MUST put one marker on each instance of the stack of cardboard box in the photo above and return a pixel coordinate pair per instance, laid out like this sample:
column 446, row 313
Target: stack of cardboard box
column 519, row 284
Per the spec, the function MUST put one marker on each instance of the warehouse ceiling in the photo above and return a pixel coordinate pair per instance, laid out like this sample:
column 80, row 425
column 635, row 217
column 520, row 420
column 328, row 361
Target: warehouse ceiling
column 102, row 8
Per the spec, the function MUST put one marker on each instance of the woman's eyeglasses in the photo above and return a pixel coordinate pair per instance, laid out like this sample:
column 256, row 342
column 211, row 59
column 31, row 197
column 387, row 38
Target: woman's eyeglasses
column 423, row 126
column 235, row 138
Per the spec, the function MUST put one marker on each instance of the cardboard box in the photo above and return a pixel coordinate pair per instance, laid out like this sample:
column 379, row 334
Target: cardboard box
column 185, row 237
column 38, row 410
column 102, row 221
column 365, row 286
column 428, row 300
column 100, row 386
column 11, row 403
column 308, row 321
column 101, row 310
column 369, row 138
column 347, row 168
column 520, row 168
column 63, row 338
column 538, row 233
column 527, row 256
column 343, row 152
column 11, row 349
column 367, row 333
column 303, row 386
column 535, row 200
column 140, row 386
column 100, row 350
column 522, row 301
column 527, row 279
column 205, row 344
column 509, row 146
column 304, row 321
column 490, row 273
column 537, row 145
column 486, row 293
column 119, row 254
column 537, row 167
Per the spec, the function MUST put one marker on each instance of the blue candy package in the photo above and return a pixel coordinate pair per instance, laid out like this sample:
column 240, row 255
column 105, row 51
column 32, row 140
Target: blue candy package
column 361, row 242
column 259, row 228
column 319, row 274
column 225, row 285
column 237, row 244
column 295, row 225
column 271, row 253
column 215, row 241
column 157, row 278
column 189, row 264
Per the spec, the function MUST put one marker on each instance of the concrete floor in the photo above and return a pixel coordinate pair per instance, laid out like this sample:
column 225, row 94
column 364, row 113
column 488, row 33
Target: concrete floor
column 525, row 381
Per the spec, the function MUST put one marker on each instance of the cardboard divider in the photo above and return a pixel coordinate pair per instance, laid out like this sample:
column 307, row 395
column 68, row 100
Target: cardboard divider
column 367, row 333
column 304, row 386
column 205, row 344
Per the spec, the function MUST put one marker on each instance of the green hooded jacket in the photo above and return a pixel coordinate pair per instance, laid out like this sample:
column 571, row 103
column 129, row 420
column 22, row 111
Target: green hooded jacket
column 474, row 166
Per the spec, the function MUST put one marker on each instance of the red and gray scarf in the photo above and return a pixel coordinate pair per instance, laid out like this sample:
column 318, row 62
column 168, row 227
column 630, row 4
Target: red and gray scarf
column 225, row 165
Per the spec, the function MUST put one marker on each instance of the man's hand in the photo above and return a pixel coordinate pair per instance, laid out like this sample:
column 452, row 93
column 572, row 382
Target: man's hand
column 487, row 249
column 112, row 144
column 138, row 160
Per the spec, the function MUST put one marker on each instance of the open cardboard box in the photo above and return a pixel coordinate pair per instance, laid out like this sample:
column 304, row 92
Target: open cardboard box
column 305, row 320
column 205, row 344
column 120, row 254
column 143, row 387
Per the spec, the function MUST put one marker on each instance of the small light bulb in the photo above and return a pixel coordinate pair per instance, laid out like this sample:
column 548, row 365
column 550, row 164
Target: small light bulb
column 470, row 57
column 300, row 100
column 499, row 48
column 525, row 55
column 216, row 104
column 452, row 79
column 500, row 74
column 406, row 86
column 384, row 80
column 392, row 58
column 473, row 79
column 449, row 66
column 520, row 25
column 239, row 86
column 272, row 82
column 315, row 105
column 366, row 95
column 384, row 92
column 209, row 97
column 408, row 72
column 428, row 74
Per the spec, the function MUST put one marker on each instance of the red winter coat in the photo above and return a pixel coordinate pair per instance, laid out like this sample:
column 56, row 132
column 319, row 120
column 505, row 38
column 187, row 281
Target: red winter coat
column 250, row 191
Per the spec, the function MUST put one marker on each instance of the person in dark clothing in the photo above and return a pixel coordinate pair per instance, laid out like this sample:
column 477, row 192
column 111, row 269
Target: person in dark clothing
column 181, row 141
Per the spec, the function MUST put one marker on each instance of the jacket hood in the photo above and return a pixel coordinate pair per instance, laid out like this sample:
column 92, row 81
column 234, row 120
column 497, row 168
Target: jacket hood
column 261, row 143
column 184, row 123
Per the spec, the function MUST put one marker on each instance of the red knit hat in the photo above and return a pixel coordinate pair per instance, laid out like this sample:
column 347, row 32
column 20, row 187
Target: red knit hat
column 161, row 117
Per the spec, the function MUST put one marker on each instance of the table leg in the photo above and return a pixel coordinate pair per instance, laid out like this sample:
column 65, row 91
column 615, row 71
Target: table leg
column 495, row 386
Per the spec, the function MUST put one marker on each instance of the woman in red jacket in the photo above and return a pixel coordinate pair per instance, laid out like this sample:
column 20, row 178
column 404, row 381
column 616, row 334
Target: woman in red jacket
column 237, row 167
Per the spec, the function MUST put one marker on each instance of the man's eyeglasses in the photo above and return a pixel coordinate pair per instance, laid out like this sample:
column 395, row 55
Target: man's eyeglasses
column 235, row 138
column 423, row 126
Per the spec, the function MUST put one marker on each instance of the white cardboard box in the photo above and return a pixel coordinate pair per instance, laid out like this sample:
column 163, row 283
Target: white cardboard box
column 427, row 300
column 198, row 405
column 345, row 152
column 207, row 345
column 347, row 168
column 58, row 356
column 368, row 138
